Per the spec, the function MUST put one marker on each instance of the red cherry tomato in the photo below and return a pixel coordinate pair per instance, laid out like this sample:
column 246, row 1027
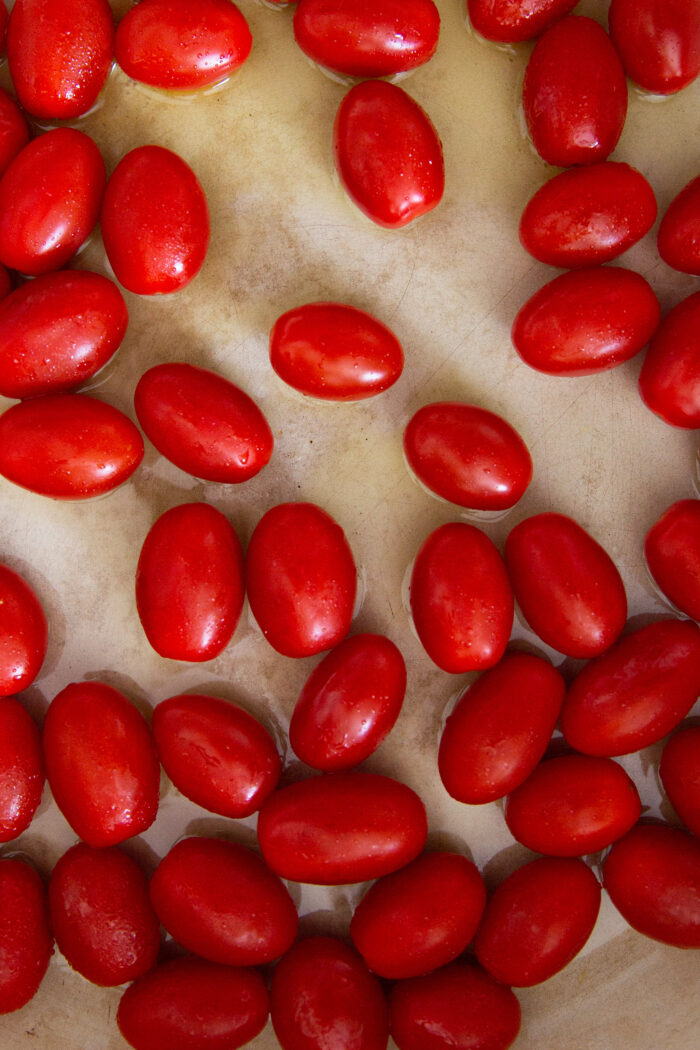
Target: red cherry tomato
column 500, row 728
column 23, row 633
column 537, row 920
column 511, row 21
column 467, row 455
column 203, row 423
column 57, row 331
column 101, row 763
column 349, row 703
column 220, row 901
column 672, row 552
column 322, row 997
column 171, row 44
column 26, row 944
column 653, row 878
column 588, row 215
column 340, row 828
column 421, row 917
column 679, row 771
column 679, row 230
column 101, row 915
column 14, row 130
column 669, row 381
column 387, row 154
column 301, row 579
column 636, row 692
column 216, row 754
column 21, row 769
column 658, row 41
column 155, row 221
column 586, row 321
column 461, row 599
column 334, row 352
column 574, row 93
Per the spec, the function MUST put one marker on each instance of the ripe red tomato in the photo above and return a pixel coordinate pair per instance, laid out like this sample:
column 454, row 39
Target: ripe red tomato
column 636, row 692
column 26, row 944
column 537, row 920
column 421, row 917
column 658, row 41
column 341, row 827
column 669, row 381
column 171, row 44
column 511, row 21
column 500, row 728
column 461, row 599
column 678, row 238
column 23, row 633
column 586, row 321
column 387, row 154
column 349, row 703
column 101, row 915
column 203, row 423
column 679, row 771
column 588, row 215
column 155, row 221
column 467, row 455
column 672, row 552
column 216, row 754
column 220, row 901
column 334, row 352
column 574, row 93
column 101, row 763
column 301, row 579
column 21, row 769
column 14, row 130
column 57, row 331
column 322, row 997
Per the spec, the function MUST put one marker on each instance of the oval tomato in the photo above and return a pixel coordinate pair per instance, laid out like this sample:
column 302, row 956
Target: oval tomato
column 678, row 238
column 23, row 633
column 658, row 41
column 511, row 21
column 461, row 599
column 669, row 382
column 586, row 321
column 387, row 154
column 679, row 771
column 171, row 44
column 101, row 763
column 334, row 352
column 500, row 728
column 21, row 769
column 155, row 221
column 14, row 130
column 672, row 552
column 340, row 828
column 26, row 944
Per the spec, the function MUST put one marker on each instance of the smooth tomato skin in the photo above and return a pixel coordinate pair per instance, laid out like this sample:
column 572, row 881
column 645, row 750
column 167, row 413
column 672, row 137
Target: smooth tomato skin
column 672, row 552
column 155, row 221
column 500, row 728
column 101, row 915
column 419, row 918
column 679, row 771
column 216, row 754
column 511, row 21
column 14, row 130
column 658, row 42
column 678, row 239
column 636, row 692
column 349, row 703
column 26, row 943
column 101, row 763
column 537, row 920
column 23, row 633
column 467, row 455
column 461, row 599
column 669, row 381
column 21, row 769
column 335, row 352
column 340, row 828
column 387, row 154
column 586, row 321
column 171, row 44
column 220, row 901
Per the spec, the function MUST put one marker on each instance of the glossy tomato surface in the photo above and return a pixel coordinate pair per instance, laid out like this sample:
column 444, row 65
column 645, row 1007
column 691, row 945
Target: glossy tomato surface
column 669, row 381
column 14, row 130
column 21, row 769
column 511, row 21
column 672, row 552
column 26, row 943
column 679, row 230
column 387, row 154
column 679, row 771
column 23, row 633
column 658, row 42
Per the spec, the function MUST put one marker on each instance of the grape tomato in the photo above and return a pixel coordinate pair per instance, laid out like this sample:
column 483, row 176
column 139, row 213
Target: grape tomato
column 679, row 772
column 26, row 942
column 669, row 381
column 658, row 42
column 672, row 552
column 21, row 769
column 23, row 633
column 14, row 130
column 512, row 21
column 678, row 238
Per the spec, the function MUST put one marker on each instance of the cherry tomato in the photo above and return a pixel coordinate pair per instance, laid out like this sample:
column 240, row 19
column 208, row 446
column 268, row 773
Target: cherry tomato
column 340, row 828
column 500, row 728
column 669, row 381
column 588, row 215
column 467, row 455
column 334, row 352
column 636, row 692
column 216, row 754
column 574, row 93
column 511, row 21
column 26, row 944
column 23, row 633
column 672, row 552
column 203, row 423
column 14, row 130
column 537, row 920
column 155, row 221
column 322, row 997
column 586, row 321
column 101, row 763
column 363, row 38
column 421, row 917
column 387, row 154
column 101, row 915
column 349, row 703
column 57, row 331
column 679, row 230
column 191, row 1004
column 220, row 901
column 21, row 769
column 653, row 878
column 658, row 41
column 679, row 771
column 301, row 579
column 171, row 44
column 461, row 599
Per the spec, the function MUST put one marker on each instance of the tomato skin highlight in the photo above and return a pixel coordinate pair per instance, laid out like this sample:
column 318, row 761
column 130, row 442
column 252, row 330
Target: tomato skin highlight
column 512, row 21
column 669, row 381
column 678, row 239
column 14, row 130
column 658, row 42
column 21, row 769
column 23, row 633
column 26, row 943
column 672, row 552
column 679, row 771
